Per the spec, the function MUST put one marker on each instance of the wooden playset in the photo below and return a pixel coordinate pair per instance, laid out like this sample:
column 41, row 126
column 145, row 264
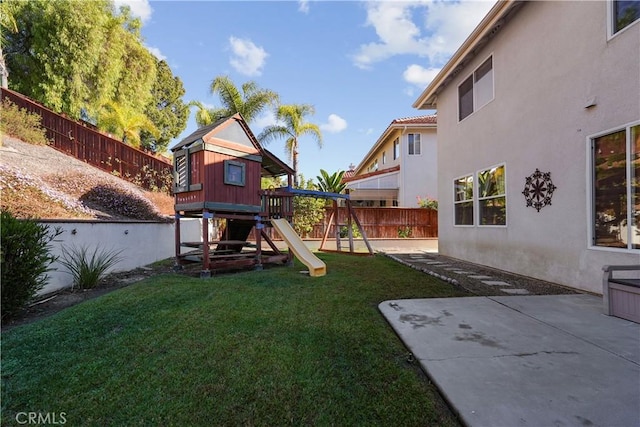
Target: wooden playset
column 217, row 176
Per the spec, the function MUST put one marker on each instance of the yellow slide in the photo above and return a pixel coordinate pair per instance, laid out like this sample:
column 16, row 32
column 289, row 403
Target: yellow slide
column 316, row 267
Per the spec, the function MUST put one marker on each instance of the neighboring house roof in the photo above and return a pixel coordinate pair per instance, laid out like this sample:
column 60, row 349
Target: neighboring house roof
column 271, row 165
column 370, row 174
column 492, row 23
column 401, row 123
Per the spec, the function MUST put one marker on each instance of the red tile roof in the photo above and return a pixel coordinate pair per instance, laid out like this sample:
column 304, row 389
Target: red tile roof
column 419, row 120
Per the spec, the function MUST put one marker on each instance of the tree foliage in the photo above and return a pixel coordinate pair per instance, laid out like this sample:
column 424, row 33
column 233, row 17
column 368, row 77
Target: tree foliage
column 167, row 110
column 125, row 122
column 291, row 126
column 250, row 100
column 331, row 183
column 78, row 57
column 307, row 211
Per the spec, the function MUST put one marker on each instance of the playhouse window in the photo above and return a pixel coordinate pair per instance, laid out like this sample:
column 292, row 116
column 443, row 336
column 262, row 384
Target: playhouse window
column 616, row 193
column 234, row 173
column 181, row 173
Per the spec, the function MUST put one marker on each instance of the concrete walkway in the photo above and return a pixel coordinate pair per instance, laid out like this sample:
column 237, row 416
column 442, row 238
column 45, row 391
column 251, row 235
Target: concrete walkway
column 544, row 360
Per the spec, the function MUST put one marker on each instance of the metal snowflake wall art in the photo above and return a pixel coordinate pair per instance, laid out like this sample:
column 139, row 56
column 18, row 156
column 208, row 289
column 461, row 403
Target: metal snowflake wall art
column 538, row 190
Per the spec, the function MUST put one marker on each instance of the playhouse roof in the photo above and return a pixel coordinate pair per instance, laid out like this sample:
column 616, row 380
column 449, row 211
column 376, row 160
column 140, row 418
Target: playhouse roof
column 271, row 165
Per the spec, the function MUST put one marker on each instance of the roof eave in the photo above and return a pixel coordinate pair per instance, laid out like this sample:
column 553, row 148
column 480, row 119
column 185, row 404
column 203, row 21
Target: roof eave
column 488, row 27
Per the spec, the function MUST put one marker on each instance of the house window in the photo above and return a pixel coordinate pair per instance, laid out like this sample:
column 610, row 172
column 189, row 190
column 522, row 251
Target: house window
column 234, row 173
column 616, row 188
column 396, row 149
column 414, row 144
column 624, row 13
column 384, row 157
column 181, row 175
column 492, row 201
column 463, row 200
column 477, row 90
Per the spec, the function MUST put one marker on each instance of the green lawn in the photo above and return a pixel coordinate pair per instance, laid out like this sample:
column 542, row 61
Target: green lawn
column 271, row 347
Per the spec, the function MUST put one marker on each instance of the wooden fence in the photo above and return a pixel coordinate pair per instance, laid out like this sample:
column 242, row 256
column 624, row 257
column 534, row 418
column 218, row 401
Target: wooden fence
column 385, row 223
column 85, row 142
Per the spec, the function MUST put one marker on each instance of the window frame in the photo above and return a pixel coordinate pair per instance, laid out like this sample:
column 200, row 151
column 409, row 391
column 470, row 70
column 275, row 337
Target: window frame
column 480, row 199
column 414, row 144
column 591, row 193
column 459, row 202
column 611, row 18
column 229, row 178
column 396, row 148
column 178, row 185
column 473, row 79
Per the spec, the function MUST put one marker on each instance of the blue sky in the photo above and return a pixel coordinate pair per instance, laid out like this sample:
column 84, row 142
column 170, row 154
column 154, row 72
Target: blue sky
column 361, row 64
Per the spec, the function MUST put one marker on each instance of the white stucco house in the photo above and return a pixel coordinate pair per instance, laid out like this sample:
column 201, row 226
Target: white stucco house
column 539, row 140
column 400, row 167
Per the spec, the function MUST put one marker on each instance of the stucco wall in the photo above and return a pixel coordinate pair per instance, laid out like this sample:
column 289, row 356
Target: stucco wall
column 141, row 243
column 549, row 62
column 418, row 173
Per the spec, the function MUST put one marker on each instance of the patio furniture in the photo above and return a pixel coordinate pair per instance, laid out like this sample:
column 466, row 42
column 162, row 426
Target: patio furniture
column 621, row 294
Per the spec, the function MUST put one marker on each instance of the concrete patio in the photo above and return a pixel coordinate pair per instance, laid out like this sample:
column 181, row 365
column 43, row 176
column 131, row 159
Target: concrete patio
column 545, row 360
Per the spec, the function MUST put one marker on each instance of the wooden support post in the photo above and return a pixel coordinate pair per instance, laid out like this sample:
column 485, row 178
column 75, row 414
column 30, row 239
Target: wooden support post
column 352, row 213
column 205, row 244
column 350, row 230
column 258, row 234
column 335, row 208
column 326, row 232
column 178, row 241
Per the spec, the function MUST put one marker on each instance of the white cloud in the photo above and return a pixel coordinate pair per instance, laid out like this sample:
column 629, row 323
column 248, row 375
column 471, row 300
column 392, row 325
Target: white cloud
column 334, row 124
column 303, row 6
column 247, row 58
column 441, row 29
column 156, row 52
column 419, row 76
column 139, row 8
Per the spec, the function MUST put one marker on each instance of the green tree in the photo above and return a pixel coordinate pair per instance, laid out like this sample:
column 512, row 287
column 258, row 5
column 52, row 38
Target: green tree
column 125, row 123
column 331, row 183
column 250, row 101
column 55, row 51
column 75, row 57
column 291, row 126
column 7, row 25
column 166, row 110
column 307, row 211
column 205, row 116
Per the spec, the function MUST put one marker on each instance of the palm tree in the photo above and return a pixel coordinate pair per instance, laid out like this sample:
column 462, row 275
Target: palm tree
column 206, row 116
column 293, row 127
column 125, row 122
column 331, row 183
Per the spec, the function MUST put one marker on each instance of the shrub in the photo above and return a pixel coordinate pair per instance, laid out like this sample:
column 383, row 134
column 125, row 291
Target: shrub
column 428, row 203
column 404, row 232
column 121, row 202
column 87, row 269
column 25, row 261
column 21, row 124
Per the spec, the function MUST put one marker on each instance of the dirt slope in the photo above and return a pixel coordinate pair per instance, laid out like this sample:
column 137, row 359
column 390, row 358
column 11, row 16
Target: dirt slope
column 41, row 182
